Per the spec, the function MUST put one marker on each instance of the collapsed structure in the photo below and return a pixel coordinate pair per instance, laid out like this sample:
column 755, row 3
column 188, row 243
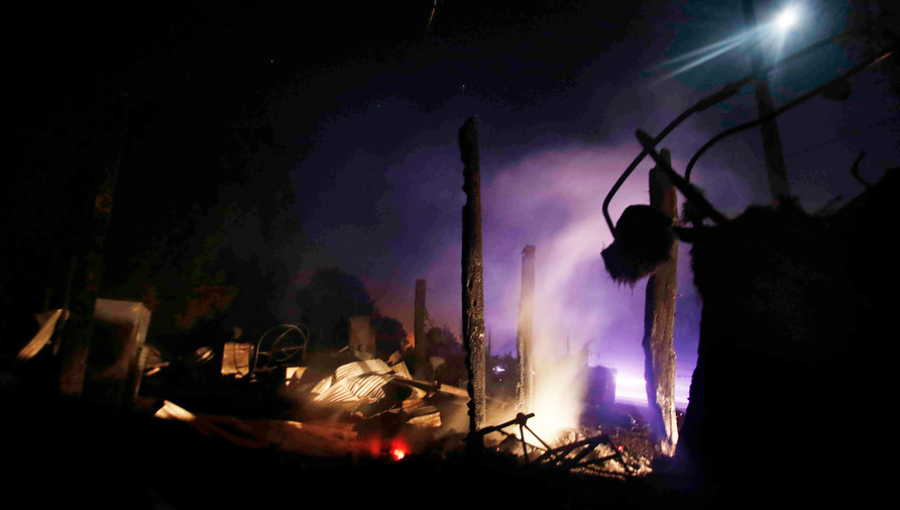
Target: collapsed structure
column 790, row 308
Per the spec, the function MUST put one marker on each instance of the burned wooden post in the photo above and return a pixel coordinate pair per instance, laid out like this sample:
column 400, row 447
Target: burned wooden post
column 419, row 332
column 659, row 324
column 472, row 276
column 77, row 331
column 117, row 355
column 525, row 387
column 362, row 337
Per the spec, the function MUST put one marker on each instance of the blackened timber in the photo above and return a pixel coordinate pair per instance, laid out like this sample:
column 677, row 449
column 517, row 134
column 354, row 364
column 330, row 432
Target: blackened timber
column 78, row 330
column 419, row 332
column 659, row 323
column 525, row 388
column 472, row 275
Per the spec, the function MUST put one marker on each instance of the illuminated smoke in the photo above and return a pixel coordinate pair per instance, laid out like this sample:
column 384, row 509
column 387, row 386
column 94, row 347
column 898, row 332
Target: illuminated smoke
column 552, row 199
column 559, row 393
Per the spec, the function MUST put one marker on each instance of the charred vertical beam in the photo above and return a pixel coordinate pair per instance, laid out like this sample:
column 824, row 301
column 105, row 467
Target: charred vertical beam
column 487, row 351
column 419, row 332
column 78, row 330
column 472, row 275
column 659, row 324
column 525, row 388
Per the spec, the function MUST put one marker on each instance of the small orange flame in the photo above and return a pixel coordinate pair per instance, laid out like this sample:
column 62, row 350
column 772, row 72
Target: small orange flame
column 399, row 449
column 398, row 454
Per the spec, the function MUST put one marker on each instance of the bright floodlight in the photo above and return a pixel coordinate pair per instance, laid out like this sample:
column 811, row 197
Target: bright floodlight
column 788, row 18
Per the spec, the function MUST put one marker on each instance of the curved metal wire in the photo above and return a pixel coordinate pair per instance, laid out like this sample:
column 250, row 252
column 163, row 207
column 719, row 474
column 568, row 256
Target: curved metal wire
column 287, row 352
column 726, row 92
column 786, row 107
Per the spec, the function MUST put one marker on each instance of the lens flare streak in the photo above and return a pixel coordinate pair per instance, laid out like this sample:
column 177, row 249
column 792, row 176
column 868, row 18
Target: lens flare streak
column 712, row 51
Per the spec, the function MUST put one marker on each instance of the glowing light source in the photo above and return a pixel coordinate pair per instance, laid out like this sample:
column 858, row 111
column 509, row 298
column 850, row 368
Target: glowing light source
column 398, row 454
column 630, row 388
column 399, row 449
column 787, row 18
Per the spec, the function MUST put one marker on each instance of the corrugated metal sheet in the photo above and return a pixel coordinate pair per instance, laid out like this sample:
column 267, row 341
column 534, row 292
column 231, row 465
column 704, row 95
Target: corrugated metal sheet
column 354, row 382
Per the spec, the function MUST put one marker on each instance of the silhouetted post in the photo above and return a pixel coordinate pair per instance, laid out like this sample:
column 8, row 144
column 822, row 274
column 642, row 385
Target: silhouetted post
column 419, row 332
column 776, row 170
column 487, row 352
column 525, row 387
column 78, row 330
column 472, row 275
column 659, row 324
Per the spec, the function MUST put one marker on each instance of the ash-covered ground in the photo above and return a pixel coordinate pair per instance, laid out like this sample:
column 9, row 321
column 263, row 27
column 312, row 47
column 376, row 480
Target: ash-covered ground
column 66, row 452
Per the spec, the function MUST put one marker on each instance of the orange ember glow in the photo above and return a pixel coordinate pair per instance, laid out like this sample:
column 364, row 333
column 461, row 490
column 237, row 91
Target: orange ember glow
column 399, row 449
column 398, row 454
column 396, row 449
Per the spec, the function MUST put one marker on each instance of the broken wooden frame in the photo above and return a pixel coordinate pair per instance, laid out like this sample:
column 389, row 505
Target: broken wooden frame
column 580, row 451
column 576, row 455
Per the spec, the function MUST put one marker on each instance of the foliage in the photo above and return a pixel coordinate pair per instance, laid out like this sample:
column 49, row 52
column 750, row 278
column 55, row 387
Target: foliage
column 326, row 304
column 389, row 333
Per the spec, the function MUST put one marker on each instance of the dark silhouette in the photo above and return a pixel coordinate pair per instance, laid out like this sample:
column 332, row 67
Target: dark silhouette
column 326, row 304
column 791, row 315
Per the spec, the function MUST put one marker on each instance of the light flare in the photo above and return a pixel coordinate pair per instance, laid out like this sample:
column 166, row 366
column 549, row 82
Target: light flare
column 789, row 17
column 631, row 387
column 775, row 32
column 712, row 51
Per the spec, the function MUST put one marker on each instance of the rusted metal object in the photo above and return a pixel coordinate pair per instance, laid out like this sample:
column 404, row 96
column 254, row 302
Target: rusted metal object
column 521, row 420
column 473, row 275
column 583, row 454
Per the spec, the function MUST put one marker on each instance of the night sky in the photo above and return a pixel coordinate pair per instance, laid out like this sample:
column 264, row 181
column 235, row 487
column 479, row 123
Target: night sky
column 326, row 135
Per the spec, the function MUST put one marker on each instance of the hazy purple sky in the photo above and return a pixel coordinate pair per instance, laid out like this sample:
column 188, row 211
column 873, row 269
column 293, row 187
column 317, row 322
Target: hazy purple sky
column 360, row 106
column 558, row 98
column 558, row 102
